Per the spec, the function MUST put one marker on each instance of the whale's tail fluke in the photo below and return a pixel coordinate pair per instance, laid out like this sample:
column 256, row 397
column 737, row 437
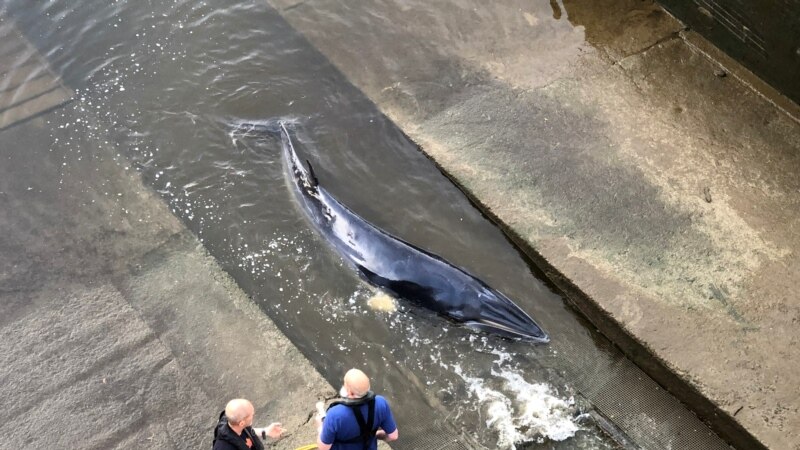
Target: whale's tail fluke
column 240, row 131
column 270, row 125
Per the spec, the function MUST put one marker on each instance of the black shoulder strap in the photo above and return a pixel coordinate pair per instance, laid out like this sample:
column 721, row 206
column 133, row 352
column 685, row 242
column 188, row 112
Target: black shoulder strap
column 370, row 428
column 366, row 426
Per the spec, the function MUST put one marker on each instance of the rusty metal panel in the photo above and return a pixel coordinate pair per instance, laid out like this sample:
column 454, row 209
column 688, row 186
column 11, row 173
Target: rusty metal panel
column 763, row 35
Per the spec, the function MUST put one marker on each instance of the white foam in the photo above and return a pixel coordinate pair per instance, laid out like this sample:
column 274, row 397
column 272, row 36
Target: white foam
column 523, row 411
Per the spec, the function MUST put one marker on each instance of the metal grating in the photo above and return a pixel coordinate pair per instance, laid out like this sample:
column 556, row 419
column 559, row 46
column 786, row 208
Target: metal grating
column 649, row 416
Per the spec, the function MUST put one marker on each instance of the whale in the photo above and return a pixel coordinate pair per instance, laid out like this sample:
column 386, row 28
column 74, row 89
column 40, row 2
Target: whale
column 400, row 268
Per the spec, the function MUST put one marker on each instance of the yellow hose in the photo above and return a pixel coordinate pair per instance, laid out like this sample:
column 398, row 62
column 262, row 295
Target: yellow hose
column 307, row 447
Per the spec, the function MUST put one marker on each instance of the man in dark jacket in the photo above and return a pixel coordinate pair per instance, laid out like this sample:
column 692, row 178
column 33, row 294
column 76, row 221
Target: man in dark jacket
column 235, row 428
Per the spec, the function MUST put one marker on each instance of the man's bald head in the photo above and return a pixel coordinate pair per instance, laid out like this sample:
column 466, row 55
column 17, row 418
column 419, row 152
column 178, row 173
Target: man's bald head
column 356, row 382
column 238, row 410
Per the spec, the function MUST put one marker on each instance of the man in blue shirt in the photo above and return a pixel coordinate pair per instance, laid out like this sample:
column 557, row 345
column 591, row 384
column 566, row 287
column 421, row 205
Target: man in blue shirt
column 358, row 420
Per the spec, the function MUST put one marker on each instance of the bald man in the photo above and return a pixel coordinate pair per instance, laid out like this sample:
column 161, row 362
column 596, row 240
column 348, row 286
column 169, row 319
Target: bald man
column 235, row 428
column 358, row 420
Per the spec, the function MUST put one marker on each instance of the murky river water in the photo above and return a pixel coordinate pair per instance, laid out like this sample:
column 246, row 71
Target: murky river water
column 173, row 86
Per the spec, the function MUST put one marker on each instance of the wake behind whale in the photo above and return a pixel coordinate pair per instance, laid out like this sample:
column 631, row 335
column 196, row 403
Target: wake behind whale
column 406, row 271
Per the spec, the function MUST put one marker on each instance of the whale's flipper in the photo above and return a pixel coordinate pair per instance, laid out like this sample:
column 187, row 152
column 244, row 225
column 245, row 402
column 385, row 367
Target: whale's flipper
column 406, row 289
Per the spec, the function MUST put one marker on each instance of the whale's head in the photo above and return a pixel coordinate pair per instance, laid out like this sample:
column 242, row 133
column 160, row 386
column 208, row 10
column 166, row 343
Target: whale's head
column 497, row 314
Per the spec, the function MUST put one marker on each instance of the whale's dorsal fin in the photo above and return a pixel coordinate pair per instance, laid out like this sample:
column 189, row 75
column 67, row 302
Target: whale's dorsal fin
column 311, row 174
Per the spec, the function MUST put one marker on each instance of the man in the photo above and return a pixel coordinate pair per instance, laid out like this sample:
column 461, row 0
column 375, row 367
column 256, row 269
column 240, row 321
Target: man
column 235, row 428
column 358, row 420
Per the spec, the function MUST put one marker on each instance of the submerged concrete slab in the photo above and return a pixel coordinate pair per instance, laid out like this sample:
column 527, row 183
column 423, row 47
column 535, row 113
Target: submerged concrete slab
column 27, row 85
column 117, row 329
column 662, row 195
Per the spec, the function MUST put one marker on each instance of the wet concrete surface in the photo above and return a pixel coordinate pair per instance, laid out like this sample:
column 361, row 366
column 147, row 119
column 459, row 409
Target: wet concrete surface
column 115, row 324
column 615, row 150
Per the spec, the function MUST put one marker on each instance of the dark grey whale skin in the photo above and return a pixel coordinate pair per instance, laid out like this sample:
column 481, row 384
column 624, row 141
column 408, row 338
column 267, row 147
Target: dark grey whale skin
column 401, row 268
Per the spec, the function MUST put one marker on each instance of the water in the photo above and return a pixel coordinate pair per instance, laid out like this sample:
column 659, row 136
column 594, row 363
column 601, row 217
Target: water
column 175, row 87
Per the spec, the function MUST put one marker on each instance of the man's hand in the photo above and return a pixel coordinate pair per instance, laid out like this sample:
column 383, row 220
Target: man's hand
column 274, row 430
column 380, row 434
column 319, row 416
